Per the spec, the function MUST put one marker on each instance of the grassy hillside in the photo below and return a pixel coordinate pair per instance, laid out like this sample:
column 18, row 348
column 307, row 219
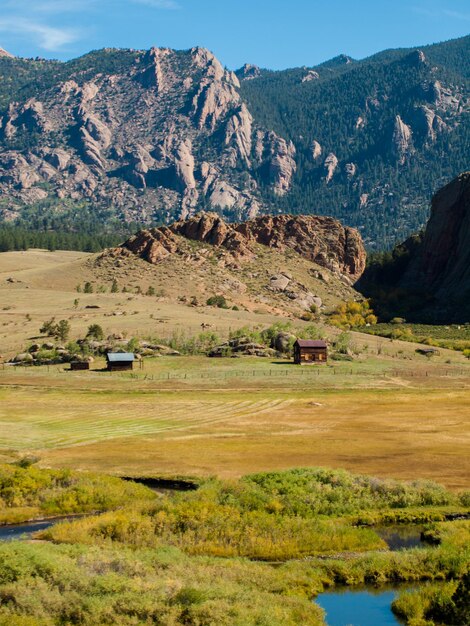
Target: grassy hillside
column 44, row 285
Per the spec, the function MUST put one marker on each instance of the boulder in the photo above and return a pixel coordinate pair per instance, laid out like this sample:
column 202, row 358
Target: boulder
column 23, row 357
column 279, row 282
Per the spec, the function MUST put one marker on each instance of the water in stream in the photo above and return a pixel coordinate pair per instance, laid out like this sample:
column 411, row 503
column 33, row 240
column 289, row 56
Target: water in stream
column 402, row 537
column 24, row 531
column 359, row 607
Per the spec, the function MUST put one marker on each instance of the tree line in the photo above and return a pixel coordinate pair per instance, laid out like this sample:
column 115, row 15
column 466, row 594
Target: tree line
column 20, row 238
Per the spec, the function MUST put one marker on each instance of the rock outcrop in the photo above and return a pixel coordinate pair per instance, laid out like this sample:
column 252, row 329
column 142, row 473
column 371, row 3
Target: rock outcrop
column 316, row 150
column 331, row 163
column 310, row 75
column 248, row 72
column 280, row 162
column 238, row 133
column 402, row 140
column 440, row 264
column 321, row 240
column 152, row 75
column 427, row 123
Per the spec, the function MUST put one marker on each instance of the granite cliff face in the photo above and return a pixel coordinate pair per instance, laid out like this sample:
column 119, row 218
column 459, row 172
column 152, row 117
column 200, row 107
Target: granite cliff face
column 321, row 240
column 440, row 265
column 163, row 134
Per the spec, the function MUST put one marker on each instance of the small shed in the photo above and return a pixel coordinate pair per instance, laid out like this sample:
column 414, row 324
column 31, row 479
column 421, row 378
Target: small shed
column 76, row 366
column 309, row 351
column 428, row 351
column 119, row 361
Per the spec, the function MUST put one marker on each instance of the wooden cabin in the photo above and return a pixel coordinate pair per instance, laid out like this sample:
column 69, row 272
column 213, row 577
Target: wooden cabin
column 309, row 351
column 78, row 366
column 119, row 361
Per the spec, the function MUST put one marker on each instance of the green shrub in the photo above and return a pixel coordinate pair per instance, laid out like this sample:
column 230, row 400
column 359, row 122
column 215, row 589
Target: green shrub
column 218, row 301
column 95, row 331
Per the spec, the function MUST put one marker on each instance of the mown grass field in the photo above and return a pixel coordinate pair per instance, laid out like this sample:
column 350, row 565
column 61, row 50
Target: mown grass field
column 228, row 417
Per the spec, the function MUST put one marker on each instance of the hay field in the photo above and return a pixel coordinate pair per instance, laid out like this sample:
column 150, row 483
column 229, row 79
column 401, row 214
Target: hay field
column 195, row 416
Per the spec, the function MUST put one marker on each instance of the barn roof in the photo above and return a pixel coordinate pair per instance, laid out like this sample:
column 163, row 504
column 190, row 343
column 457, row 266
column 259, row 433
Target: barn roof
column 120, row 357
column 311, row 343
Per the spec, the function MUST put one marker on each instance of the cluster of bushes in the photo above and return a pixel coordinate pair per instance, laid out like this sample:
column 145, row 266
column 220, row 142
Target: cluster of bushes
column 88, row 287
column 269, row 516
column 279, row 337
column 46, row 585
column 60, row 330
column 353, row 315
column 27, row 492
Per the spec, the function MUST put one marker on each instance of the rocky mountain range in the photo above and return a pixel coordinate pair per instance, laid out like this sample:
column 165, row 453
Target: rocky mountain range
column 156, row 136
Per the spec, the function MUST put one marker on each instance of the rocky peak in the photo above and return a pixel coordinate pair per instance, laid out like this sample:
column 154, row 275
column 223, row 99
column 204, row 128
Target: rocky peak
column 152, row 74
column 248, row 72
column 4, row 53
column 212, row 68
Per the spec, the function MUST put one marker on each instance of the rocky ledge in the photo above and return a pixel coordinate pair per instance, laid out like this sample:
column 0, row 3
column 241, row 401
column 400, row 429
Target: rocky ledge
column 322, row 240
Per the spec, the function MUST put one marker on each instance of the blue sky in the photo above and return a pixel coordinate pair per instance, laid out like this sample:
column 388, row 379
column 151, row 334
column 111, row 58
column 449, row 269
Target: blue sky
column 269, row 33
